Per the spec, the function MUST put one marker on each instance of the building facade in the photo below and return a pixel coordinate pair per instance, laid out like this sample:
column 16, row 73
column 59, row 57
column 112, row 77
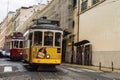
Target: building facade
column 5, row 28
column 0, row 35
column 99, row 33
column 23, row 14
column 9, row 23
column 3, row 32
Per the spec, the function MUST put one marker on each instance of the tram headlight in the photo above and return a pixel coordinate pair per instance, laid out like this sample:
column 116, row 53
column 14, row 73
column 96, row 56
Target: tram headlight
column 21, row 53
column 48, row 56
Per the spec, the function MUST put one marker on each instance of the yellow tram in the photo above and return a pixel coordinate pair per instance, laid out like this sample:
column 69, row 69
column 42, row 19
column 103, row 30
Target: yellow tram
column 43, row 43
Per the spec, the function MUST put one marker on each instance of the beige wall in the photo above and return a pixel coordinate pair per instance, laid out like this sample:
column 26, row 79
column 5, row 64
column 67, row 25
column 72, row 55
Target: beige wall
column 101, row 26
column 9, row 23
column 106, row 58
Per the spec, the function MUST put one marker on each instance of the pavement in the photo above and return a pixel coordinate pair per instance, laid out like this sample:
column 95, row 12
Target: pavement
column 105, row 69
column 15, row 77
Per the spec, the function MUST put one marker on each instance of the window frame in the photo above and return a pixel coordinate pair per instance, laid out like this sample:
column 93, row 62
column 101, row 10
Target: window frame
column 60, row 43
column 37, row 38
column 74, row 3
column 84, row 5
column 95, row 2
column 49, row 37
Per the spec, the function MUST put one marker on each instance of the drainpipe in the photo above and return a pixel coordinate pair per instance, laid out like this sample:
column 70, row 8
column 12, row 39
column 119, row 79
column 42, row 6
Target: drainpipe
column 78, row 19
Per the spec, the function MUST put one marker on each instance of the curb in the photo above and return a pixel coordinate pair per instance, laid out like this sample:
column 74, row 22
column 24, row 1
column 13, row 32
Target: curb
column 96, row 68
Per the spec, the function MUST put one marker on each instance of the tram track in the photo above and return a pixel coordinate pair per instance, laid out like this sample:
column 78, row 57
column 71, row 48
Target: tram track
column 49, row 76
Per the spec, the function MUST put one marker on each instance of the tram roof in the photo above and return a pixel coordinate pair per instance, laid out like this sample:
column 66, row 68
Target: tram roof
column 46, row 26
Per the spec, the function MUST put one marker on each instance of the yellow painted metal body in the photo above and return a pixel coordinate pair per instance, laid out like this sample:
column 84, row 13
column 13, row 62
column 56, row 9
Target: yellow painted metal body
column 55, row 56
column 26, row 54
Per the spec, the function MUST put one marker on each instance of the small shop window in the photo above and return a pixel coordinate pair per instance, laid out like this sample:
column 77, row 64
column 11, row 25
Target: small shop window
column 84, row 5
column 48, row 39
column 74, row 3
column 57, row 39
column 73, row 24
column 95, row 1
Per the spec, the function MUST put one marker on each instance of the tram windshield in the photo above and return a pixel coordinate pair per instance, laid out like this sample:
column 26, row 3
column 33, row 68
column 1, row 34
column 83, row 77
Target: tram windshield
column 48, row 39
column 17, row 44
column 21, row 44
column 38, row 38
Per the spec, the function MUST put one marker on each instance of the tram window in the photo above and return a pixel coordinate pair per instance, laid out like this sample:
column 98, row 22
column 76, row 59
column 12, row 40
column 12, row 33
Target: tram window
column 15, row 44
column 30, row 36
column 21, row 44
column 48, row 38
column 12, row 44
column 38, row 38
column 57, row 39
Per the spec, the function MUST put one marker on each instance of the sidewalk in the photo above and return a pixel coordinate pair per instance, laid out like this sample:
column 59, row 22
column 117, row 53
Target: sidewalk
column 93, row 67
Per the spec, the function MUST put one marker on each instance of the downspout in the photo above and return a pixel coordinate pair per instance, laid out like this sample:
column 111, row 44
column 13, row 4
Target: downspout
column 78, row 19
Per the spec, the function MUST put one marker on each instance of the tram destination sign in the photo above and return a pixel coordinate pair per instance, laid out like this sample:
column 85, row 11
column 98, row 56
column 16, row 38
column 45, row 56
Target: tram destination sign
column 17, row 35
column 46, row 21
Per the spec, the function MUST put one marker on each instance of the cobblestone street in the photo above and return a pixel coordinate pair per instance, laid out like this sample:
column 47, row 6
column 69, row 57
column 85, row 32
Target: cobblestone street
column 63, row 72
